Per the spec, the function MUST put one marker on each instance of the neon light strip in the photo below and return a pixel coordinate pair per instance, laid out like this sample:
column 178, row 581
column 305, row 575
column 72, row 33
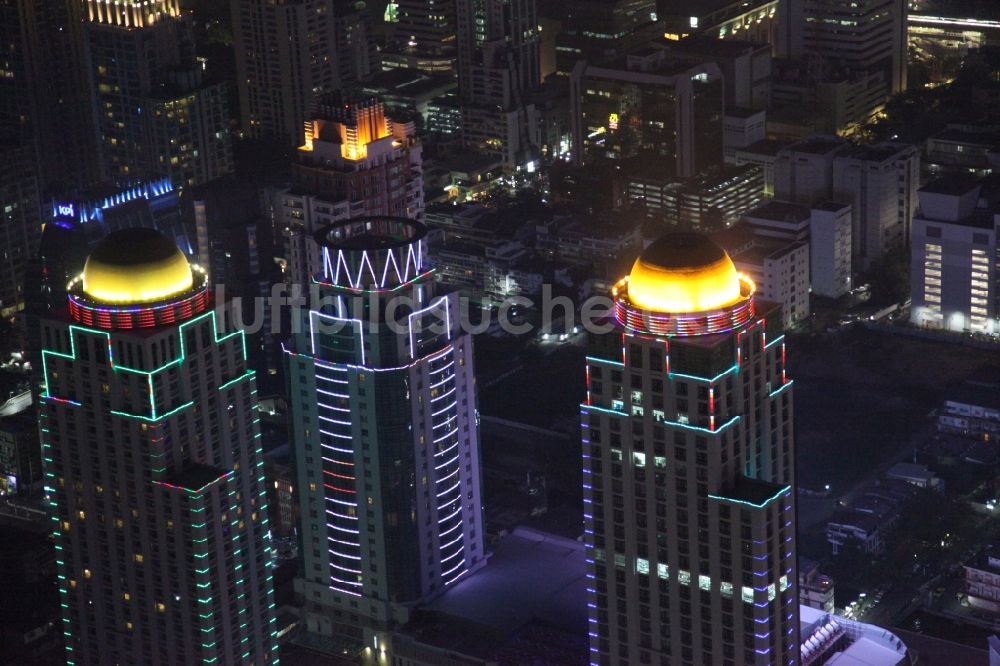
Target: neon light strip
column 747, row 503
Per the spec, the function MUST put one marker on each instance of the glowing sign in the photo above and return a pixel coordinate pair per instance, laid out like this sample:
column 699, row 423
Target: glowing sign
column 65, row 210
column 613, row 121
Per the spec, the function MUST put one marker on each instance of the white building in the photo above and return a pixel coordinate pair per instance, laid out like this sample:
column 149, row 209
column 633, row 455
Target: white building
column 826, row 226
column 834, row 640
column 803, row 171
column 953, row 258
column 154, row 466
column 879, row 182
column 741, row 128
column 778, row 266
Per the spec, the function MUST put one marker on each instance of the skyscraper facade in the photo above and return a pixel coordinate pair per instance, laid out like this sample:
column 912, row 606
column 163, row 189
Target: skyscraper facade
column 666, row 113
column 154, row 466
column 155, row 114
column 386, row 432
column 689, row 469
column 20, row 215
column 289, row 54
column 354, row 162
column 45, row 95
column 498, row 67
column 422, row 34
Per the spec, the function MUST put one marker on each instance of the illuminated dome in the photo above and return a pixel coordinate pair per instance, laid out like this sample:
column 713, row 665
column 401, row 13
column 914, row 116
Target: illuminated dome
column 683, row 273
column 136, row 266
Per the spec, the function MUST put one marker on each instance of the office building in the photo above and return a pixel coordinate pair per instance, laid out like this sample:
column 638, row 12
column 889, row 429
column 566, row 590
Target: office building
column 45, row 92
column 867, row 35
column 653, row 107
column 663, row 110
column 153, row 466
column 422, row 35
column 953, row 265
column 354, row 162
column 156, row 116
column 20, row 214
column 498, row 68
column 712, row 201
column 598, row 31
column 742, row 20
column 289, row 54
column 879, row 182
column 689, row 511
column 842, row 61
column 384, row 406
column 803, row 171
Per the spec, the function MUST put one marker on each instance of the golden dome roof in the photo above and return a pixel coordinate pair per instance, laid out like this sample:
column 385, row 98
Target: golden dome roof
column 136, row 266
column 683, row 273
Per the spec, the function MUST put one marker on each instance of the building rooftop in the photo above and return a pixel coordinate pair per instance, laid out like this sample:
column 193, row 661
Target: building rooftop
column 533, row 579
column 781, row 211
column 830, row 206
column 877, row 153
column 819, row 145
column 769, row 147
column 953, row 185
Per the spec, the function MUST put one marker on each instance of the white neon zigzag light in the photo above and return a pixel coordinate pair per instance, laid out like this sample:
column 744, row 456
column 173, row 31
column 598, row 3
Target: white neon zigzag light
column 411, row 268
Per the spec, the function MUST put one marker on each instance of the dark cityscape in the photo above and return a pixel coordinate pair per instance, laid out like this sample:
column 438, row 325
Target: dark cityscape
column 500, row 332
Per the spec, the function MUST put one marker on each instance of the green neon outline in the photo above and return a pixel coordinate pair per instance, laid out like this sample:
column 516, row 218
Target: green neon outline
column 182, row 355
column 754, row 505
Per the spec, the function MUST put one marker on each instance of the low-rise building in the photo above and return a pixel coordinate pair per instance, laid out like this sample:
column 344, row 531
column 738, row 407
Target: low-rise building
column 982, row 582
column 962, row 149
column 712, row 201
column 970, row 412
column 834, row 640
column 816, row 589
column 862, row 528
column 916, row 475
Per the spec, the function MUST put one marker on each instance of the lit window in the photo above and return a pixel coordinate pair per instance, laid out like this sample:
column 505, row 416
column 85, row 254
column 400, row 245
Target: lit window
column 641, row 565
column 684, row 577
column 747, row 594
column 663, row 571
column 726, row 589
column 86, row 574
column 704, row 583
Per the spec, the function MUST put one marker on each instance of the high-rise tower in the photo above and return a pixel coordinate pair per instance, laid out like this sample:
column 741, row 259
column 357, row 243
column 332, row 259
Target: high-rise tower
column 498, row 67
column 354, row 162
column 688, row 469
column 290, row 53
column 154, row 466
column 156, row 116
column 384, row 406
